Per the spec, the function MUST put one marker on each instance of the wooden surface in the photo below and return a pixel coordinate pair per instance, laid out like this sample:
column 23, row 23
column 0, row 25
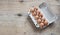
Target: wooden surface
column 11, row 24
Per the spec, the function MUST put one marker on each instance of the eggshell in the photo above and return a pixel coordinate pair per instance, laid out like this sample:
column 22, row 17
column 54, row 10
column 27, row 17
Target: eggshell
column 31, row 10
column 39, row 20
column 41, row 25
column 35, row 8
column 38, row 12
column 36, row 17
column 46, row 23
column 34, row 13
column 43, row 20
column 41, row 14
column 40, row 17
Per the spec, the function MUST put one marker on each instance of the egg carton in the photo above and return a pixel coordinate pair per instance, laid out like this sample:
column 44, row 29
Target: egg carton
column 45, row 10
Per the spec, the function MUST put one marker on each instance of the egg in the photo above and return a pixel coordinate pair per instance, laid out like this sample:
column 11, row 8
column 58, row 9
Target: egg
column 46, row 23
column 43, row 20
column 40, row 17
column 35, row 8
column 36, row 17
column 41, row 25
column 41, row 14
column 38, row 12
column 39, row 20
column 32, row 10
column 34, row 13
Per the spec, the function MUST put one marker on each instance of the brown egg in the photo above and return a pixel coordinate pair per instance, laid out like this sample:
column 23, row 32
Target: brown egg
column 35, row 8
column 38, row 12
column 31, row 10
column 39, row 20
column 41, row 25
column 43, row 20
column 36, row 17
column 46, row 23
column 41, row 15
column 34, row 13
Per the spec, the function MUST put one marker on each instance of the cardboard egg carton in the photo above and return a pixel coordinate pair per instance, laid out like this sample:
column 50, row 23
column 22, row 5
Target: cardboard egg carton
column 47, row 14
